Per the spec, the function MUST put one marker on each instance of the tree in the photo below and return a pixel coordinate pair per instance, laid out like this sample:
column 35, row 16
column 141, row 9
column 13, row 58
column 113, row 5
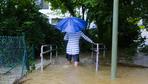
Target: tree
column 17, row 16
column 100, row 11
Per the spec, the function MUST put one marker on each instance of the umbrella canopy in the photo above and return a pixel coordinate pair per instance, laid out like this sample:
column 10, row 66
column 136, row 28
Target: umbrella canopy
column 71, row 24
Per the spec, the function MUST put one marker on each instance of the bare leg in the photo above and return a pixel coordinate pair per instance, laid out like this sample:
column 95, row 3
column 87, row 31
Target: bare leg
column 76, row 64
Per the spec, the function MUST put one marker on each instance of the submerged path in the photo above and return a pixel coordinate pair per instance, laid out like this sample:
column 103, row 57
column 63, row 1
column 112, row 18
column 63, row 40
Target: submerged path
column 60, row 73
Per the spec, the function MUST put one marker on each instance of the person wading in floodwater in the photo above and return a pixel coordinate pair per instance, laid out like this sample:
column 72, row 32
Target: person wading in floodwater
column 73, row 27
column 72, row 48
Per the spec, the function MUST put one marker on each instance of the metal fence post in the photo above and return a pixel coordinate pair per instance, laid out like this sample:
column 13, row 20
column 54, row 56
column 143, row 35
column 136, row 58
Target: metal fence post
column 51, row 53
column 114, row 40
column 97, row 57
column 25, row 54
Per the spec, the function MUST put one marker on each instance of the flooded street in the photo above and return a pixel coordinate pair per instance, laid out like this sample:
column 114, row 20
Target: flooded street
column 60, row 73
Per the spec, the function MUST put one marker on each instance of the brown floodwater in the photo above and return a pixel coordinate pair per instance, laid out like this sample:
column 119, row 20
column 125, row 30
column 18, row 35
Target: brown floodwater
column 60, row 73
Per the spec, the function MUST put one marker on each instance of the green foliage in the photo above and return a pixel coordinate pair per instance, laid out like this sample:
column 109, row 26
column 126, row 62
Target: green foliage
column 129, row 53
column 130, row 12
column 141, row 27
column 144, row 49
column 19, row 16
column 100, row 11
column 64, row 5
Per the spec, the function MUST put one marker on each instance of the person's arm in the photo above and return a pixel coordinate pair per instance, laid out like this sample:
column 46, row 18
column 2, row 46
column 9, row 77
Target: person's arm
column 86, row 38
column 66, row 37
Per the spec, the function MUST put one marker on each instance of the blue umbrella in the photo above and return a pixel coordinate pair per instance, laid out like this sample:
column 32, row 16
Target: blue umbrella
column 71, row 24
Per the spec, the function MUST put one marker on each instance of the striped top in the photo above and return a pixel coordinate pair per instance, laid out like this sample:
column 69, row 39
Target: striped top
column 73, row 42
